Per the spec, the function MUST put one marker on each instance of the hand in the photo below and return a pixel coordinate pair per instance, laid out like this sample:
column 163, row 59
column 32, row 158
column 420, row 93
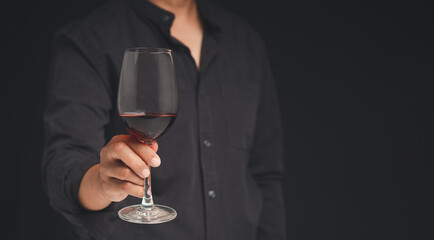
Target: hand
column 123, row 166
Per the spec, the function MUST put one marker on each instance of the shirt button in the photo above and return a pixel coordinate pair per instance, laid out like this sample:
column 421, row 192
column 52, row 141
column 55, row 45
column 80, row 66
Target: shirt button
column 211, row 194
column 207, row 143
column 166, row 18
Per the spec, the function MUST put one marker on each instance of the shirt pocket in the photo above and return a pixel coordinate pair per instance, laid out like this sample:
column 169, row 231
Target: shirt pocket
column 241, row 104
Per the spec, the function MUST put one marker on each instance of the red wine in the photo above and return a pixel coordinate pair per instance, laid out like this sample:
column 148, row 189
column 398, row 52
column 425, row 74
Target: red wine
column 148, row 127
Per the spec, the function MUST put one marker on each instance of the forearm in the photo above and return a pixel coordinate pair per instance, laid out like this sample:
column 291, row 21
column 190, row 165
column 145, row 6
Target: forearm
column 90, row 195
column 272, row 223
column 267, row 159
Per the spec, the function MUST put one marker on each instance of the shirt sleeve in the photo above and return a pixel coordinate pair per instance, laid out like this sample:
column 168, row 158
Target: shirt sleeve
column 77, row 110
column 266, row 161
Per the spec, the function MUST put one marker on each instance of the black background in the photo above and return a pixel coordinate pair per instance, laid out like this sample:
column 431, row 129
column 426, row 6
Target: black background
column 355, row 83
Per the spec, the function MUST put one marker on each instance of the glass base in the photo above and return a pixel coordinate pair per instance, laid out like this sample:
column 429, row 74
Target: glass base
column 138, row 214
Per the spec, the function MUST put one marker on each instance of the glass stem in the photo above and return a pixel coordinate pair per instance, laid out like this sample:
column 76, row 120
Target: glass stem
column 147, row 202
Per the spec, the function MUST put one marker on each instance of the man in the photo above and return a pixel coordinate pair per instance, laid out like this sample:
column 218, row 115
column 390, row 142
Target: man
column 219, row 165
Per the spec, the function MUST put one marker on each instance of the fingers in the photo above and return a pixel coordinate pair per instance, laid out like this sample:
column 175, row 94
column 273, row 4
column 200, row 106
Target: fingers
column 122, row 172
column 154, row 146
column 120, row 150
column 118, row 189
column 124, row 163
column 145, row 152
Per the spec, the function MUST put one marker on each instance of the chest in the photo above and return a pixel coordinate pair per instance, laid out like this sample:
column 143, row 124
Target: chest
column 191, row 36
column 219, row 102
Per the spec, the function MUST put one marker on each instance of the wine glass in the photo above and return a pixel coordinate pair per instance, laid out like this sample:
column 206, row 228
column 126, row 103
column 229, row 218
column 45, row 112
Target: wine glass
column 148, row 105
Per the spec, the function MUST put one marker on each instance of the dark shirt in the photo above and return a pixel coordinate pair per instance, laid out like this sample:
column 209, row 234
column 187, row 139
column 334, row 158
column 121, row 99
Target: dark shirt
column 222, row 159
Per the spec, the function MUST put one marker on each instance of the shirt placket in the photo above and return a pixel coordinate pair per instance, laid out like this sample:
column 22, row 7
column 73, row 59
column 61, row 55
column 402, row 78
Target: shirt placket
column 207, row 160
column 205, row 132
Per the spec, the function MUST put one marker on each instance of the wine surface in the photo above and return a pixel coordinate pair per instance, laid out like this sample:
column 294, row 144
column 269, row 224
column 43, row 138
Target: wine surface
column 148, row 127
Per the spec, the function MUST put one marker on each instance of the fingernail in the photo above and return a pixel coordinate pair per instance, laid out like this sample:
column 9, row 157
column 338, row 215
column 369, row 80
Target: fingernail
column 155, row 162
column 145, row 172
